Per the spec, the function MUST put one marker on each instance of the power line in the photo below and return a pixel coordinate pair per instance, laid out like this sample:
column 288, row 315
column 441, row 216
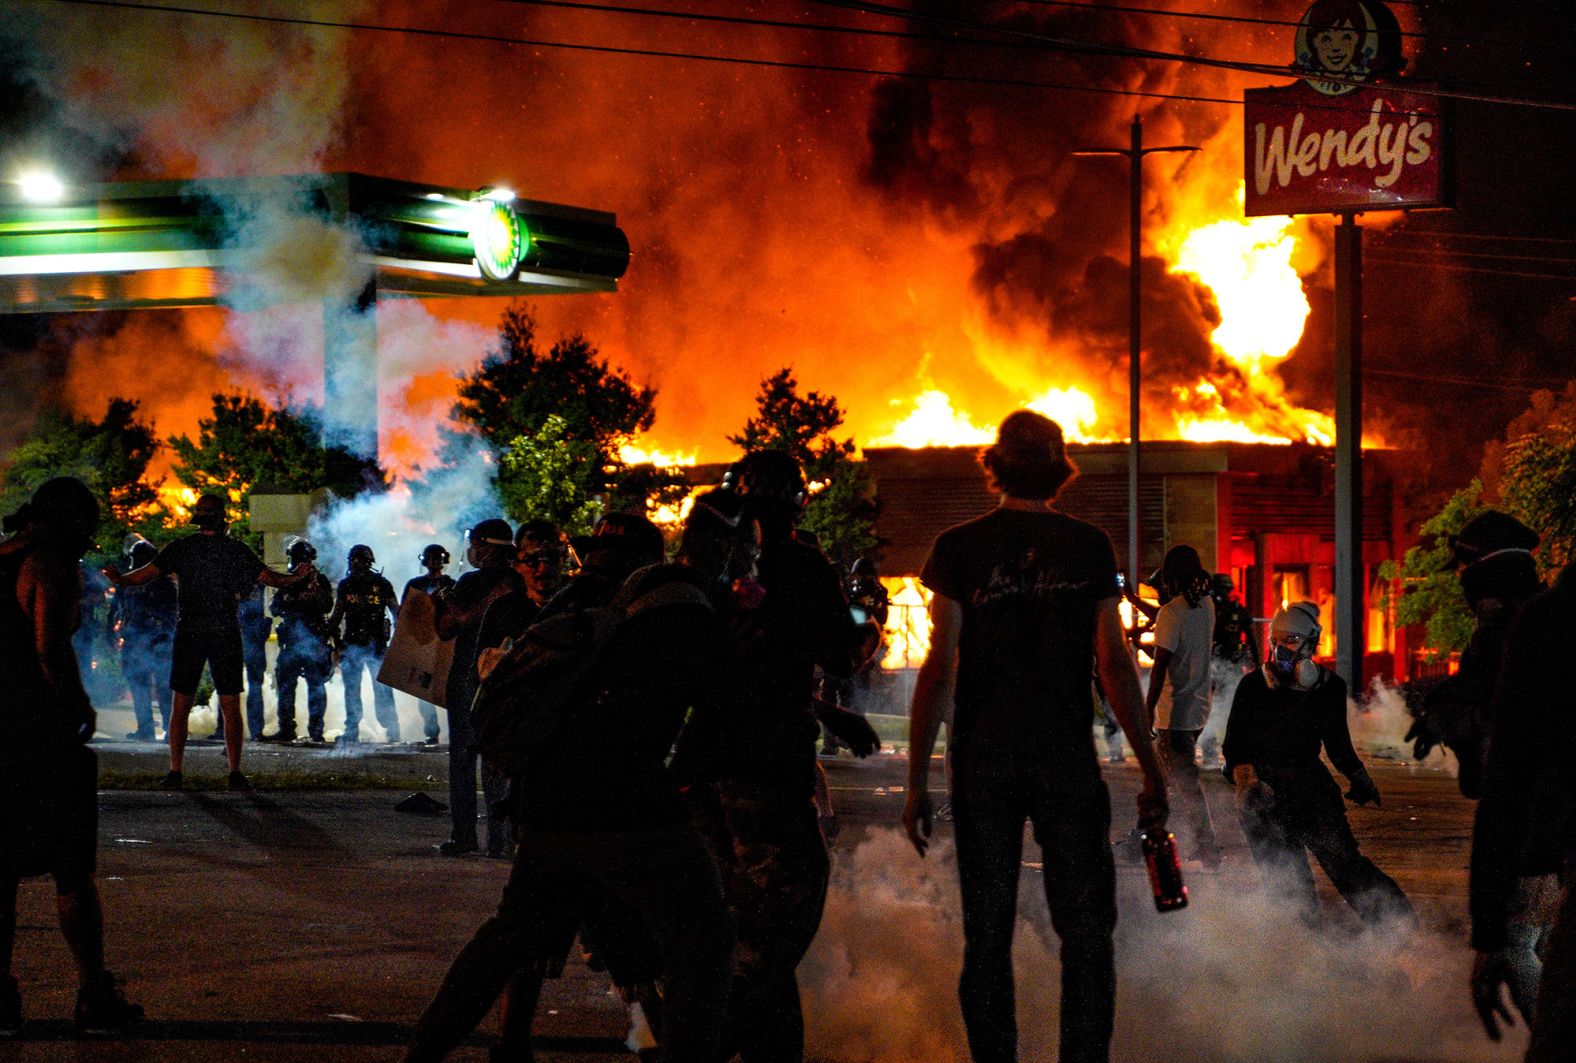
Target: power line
column 653, row 53
column 866, row 31
column 1465, row 381
column 1442, row 235
column 1454, row 253
column 1420, row 264
column 1260, row 21
column 656, row 53
column 1126, row 51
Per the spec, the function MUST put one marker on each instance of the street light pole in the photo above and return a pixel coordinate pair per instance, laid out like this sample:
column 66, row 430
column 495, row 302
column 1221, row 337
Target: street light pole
column 1134, row 153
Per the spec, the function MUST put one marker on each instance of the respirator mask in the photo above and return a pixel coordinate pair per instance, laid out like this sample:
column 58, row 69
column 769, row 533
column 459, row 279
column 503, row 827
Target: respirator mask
column 1294, row 636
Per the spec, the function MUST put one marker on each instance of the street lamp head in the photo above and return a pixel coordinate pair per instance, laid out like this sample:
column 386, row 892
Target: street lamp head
column 40, row 186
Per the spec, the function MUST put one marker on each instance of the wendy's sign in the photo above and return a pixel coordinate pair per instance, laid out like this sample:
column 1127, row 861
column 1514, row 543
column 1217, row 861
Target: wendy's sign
column 1333, row 142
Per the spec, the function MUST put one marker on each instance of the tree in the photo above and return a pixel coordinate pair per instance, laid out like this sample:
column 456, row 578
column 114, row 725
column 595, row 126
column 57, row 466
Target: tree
column 110, row 455
column 1531, row 475
column 556, row 421
column 841, row 512
column 246, row 443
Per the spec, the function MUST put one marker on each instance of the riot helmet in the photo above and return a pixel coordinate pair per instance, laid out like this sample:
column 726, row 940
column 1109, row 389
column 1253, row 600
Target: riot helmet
column 299, row 551
column 361, row 558
column 142, row 553
column 434, row 554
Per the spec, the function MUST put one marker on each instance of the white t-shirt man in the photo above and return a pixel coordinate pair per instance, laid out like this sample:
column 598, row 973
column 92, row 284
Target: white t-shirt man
column 1187, row 631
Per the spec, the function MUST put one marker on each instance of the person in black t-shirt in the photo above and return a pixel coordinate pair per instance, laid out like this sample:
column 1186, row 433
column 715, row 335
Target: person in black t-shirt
column 302, row 612
column 1281, row 716
column 461, row 611
column 362, row 599
column 212, row 572
column 1024, row 598
column 434, row 558
column 142, row 621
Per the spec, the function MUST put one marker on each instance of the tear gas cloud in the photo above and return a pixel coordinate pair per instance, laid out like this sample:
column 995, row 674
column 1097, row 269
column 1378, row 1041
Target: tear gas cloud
column 1233, row 977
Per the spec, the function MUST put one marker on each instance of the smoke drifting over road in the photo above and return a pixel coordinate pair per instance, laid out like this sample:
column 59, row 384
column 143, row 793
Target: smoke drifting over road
column 1233, row 977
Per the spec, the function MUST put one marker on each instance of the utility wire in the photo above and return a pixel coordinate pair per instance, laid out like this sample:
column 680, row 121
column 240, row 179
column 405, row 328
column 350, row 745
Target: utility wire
column 1419, row 264
column 866, row 31
column 1452, row 252
column 1390, row 234
column 1129, row 52
column 1465, row 381
column 1259, row 21
column 929, row 76
column 654, row 53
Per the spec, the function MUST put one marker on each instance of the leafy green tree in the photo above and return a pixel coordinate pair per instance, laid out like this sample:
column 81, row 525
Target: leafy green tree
column 111, row 455
column 247, row 443
column 1531, row 475
column 841, row 512
column 556, row 421
column 550, row 475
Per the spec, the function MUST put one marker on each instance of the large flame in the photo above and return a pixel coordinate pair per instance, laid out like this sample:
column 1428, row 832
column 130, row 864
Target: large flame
column 907, row 632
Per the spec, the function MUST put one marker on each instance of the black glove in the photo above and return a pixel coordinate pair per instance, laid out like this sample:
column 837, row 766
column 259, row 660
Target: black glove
column 1424, row 736
column 1363, row 789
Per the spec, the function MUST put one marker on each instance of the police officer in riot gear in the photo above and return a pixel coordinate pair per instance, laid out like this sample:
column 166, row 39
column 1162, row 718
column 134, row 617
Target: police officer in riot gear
column 142, row 622
column 361, row 630
column 434, row 558
column 302, row 612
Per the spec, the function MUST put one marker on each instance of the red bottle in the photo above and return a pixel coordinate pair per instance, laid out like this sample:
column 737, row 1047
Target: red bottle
column 1165, row 870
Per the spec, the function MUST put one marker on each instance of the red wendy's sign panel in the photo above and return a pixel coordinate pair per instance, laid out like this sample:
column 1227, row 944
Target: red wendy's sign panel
column 1375, row 148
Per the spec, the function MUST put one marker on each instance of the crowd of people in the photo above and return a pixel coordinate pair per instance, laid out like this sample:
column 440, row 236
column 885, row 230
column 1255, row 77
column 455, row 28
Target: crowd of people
column 645, row 733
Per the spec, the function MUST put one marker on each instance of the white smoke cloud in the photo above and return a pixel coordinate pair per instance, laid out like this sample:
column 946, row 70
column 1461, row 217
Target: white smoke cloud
column 1234, row 977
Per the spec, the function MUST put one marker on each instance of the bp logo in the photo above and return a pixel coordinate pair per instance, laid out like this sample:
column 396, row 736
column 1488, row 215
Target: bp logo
column 499, row 240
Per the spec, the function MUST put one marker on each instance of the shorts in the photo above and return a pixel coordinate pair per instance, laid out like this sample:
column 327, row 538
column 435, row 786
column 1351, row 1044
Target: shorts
column 219, row 648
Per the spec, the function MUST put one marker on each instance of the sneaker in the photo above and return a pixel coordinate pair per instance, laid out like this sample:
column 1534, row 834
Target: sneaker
column 103, row 1010
column 237, row 781
column 430, row 740
column 10, row 1008
column 139, row 736
column 172, row 781
column 279, row 736
column 454, row 848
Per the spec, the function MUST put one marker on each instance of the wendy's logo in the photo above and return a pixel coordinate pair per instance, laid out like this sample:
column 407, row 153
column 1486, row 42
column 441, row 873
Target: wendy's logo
column 1342, row 43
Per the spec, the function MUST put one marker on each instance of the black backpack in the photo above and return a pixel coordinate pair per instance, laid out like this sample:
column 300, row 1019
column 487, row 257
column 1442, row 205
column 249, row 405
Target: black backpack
column 533, row 689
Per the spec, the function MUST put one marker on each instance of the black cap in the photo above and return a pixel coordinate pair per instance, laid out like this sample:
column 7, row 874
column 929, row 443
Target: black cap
column 494, row 531
column 622, row 531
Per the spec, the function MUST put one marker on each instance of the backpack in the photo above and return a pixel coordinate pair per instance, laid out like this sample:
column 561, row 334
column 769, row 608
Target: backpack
column 532, row 689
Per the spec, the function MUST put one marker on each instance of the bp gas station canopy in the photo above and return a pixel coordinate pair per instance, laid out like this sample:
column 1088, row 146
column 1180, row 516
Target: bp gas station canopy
column 151, row 244
column 172, row 243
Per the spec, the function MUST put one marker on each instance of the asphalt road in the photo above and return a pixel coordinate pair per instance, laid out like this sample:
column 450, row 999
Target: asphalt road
column 314, row 925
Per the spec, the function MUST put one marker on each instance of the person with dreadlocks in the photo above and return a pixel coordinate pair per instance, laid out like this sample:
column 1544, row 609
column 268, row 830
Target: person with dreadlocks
column 1179, row 690
column 48, row 776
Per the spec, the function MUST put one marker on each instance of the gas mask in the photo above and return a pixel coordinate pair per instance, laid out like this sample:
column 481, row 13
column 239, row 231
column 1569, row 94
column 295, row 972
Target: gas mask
column 1294, row 635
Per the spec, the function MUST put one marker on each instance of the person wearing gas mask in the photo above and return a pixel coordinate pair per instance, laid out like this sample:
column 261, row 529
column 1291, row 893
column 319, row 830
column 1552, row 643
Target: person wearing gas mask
column 360, row 629
column 302, row 611
column 434, row 558
column 757, row 808
column 460, row 612
column 212, row 571
column 1287, row 801
column 142, row 621
column 48, row 775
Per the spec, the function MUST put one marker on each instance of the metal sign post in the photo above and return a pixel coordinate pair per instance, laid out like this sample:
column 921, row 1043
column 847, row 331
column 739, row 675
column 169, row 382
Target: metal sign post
column 1350, row 575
